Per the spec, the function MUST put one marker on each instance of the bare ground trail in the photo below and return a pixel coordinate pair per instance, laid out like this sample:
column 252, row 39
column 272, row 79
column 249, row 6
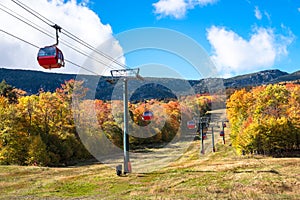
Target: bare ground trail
column 152, row 159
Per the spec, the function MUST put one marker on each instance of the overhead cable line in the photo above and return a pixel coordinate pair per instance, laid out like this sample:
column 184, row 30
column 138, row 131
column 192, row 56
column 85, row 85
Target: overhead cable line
column 24, row 20
column 19, row 38
column 67, row 33
column 69, row 61
column 34, row 13
column 72, row 36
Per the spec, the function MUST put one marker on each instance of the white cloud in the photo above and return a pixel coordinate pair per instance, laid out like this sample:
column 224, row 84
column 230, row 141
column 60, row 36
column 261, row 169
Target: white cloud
column 174, row 8
column 257, row 13
column 267, row 15
column 177, row 8
column 235, row 55
column 72, row 16
column 202, row 2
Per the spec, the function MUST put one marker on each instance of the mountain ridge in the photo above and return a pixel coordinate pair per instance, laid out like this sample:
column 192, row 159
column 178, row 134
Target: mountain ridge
column 33, row 81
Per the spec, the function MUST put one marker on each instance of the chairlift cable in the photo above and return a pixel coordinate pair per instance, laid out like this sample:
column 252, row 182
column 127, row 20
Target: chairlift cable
column 72, row 36
column 28, row 22
column 69, row 61
column 19, row 38
column 33, row 12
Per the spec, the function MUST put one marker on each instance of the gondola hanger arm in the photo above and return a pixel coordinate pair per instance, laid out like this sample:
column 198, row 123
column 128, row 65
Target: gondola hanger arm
column 58, row 29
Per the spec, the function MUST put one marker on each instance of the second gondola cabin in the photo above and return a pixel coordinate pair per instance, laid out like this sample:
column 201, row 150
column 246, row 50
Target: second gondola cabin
column 147, row 115
column 191, row 124
column 222, row 133
column 50, row 57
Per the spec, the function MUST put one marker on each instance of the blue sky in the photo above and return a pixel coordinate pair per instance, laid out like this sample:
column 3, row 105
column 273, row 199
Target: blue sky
column 242, row 20
column 240, row 37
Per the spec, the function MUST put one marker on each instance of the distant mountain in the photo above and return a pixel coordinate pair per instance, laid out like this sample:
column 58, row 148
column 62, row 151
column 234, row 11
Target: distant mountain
column 289, row 77
column 255, row 79
column 33, row 81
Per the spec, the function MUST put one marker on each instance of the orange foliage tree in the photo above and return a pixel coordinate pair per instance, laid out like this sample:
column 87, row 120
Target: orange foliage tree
column 265, row 120
column 42, row 129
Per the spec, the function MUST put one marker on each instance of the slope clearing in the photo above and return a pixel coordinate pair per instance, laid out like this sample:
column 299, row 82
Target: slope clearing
column 223, row 175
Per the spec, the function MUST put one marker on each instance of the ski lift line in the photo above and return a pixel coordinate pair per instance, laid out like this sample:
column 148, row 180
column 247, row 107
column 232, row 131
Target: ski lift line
column 26, row 21
column 33, row 12
column 85, row 54
column 30, row 23
column 67, row 33
column 72, row 36
column 19, row 38
column 82, row 67
column 16, row 37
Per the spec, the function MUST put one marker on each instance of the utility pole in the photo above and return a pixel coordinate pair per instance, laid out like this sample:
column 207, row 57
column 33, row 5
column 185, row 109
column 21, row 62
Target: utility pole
column 125, row 75
column 223, row 127
column 202, row 122
column 223, row 132
column 127, row 164
column 213, row 137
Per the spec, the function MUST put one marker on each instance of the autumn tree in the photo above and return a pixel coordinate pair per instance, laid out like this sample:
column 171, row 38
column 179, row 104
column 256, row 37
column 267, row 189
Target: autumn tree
column 8, row 92
column 14, row 140
column 263, row 120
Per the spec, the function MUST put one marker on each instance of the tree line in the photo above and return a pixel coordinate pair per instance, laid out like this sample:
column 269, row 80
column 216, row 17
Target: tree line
column 40, row 129
column 265, row 119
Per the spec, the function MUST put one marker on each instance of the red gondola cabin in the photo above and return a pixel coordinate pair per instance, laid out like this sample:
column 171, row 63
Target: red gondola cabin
column 222, row 133
column 191, row 124
column 147, row 115
column 50, row 57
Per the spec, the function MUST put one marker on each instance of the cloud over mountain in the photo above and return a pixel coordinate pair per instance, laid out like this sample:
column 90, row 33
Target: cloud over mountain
column 234, row 54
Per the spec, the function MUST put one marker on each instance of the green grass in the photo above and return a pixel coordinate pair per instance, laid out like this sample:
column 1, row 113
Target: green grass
column 220, row 175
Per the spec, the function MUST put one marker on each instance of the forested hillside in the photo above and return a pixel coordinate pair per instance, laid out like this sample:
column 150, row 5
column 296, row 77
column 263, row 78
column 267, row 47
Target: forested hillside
column 33, row 81
column 39, row 129
column 266, row 120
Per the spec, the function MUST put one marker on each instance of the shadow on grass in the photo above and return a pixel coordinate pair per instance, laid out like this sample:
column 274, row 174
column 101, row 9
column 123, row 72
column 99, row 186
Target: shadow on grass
column 257, row 171
column 172, row 172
